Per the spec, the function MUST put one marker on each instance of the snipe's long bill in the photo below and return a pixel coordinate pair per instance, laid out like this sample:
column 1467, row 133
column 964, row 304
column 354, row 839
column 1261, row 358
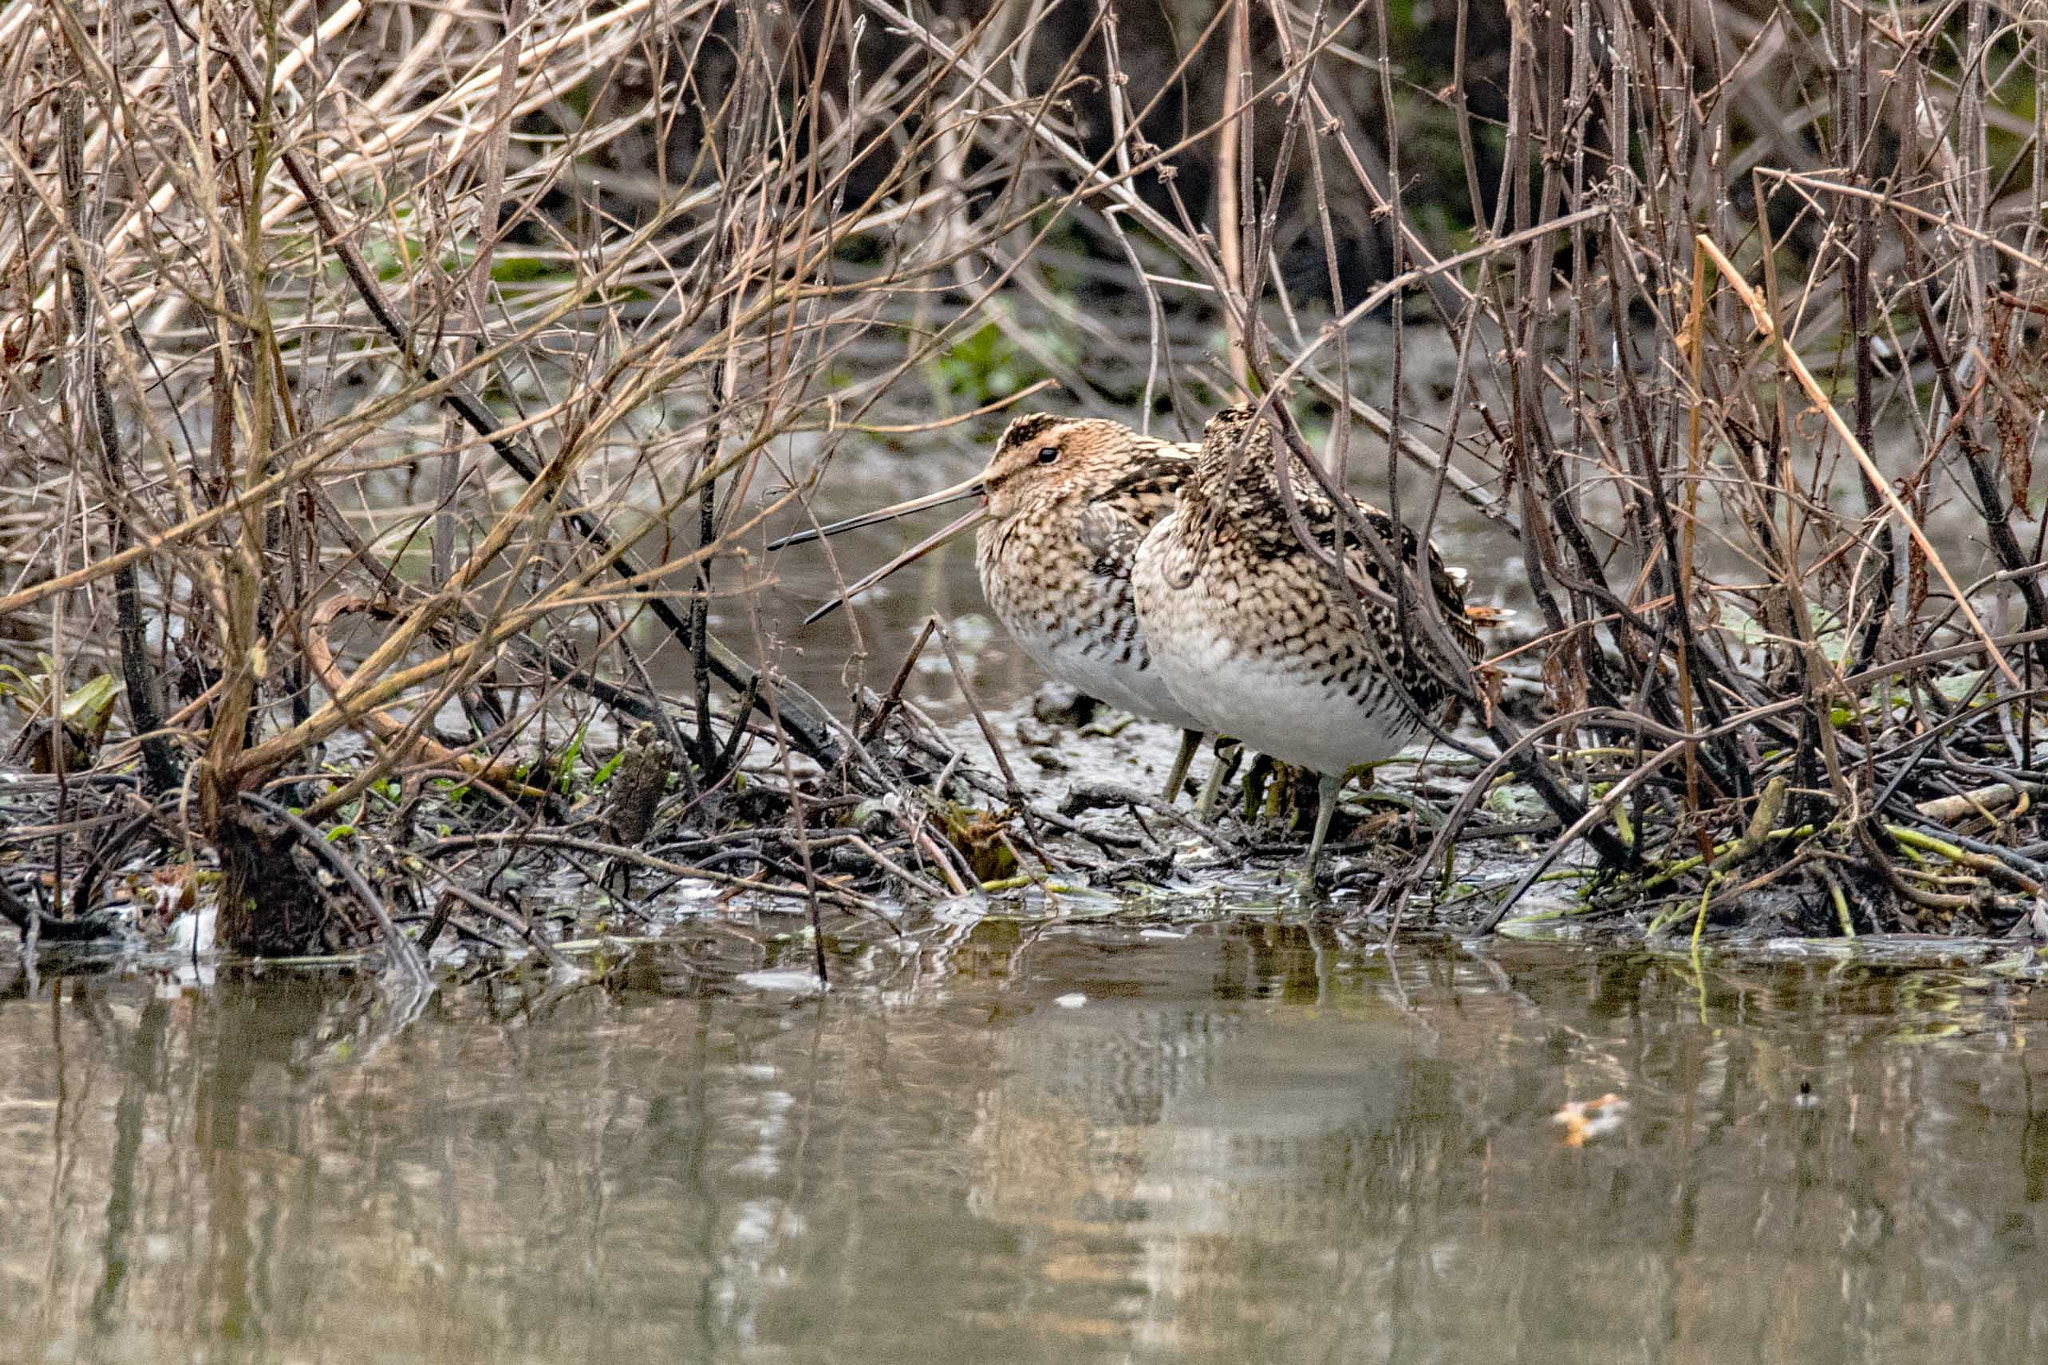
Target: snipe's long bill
column 959, row 492
column 966, row 488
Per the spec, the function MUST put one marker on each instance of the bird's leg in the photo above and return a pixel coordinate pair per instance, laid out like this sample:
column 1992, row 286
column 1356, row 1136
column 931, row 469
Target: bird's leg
column 1326, row 806
column 1229, row 753
column 1190, row 741
column 1256, row 779
column 1280, row 794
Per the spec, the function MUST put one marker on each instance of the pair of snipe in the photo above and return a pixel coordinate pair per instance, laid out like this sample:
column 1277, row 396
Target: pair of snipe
column 1172, row 581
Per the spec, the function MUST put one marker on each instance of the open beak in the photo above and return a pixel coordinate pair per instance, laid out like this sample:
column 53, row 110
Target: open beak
column 970, row 488
column 909, row 556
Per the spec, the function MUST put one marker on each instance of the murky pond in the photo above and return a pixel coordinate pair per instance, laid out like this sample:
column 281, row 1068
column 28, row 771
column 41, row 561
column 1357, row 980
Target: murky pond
column 1235, row 1142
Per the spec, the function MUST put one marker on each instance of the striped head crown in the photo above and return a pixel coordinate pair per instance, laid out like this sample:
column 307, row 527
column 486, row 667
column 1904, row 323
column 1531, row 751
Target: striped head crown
column 1045, row 455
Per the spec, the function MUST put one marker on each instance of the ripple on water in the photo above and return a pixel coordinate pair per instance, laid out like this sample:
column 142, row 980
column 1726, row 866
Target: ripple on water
column 1247, row 1142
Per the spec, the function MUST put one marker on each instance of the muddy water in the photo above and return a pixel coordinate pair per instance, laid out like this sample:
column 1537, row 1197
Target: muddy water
column 1233, row 1143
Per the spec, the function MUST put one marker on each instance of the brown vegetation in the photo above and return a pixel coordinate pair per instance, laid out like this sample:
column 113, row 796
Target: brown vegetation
column 508, row 326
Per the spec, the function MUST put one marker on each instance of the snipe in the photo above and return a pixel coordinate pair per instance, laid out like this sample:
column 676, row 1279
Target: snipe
column 1065, row 502
column 1249, row 634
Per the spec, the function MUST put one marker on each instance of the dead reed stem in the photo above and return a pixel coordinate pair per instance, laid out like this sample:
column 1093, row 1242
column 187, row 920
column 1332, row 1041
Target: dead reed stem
column 272, row 275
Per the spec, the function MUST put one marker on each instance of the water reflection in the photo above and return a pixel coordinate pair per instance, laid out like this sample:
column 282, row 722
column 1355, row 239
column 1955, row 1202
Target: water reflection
column 1242, row 1143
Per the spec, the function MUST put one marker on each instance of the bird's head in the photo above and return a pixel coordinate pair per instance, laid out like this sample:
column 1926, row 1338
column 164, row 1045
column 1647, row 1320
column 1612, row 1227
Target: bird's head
column 1042, row 457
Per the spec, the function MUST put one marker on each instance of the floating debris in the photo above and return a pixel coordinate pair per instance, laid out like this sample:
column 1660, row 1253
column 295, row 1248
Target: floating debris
column 1584, row 1120
column 791, row 982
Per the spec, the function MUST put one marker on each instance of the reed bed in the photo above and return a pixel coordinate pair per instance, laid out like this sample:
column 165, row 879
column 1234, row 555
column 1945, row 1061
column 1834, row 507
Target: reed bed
column 400, row 378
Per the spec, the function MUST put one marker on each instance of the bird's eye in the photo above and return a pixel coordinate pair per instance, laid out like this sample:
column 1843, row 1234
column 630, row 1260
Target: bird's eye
column 1047, row 454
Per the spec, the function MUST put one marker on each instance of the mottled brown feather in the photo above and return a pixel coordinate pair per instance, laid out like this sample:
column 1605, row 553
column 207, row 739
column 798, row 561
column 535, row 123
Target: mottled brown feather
column 1245, row 624
column 1055, row 555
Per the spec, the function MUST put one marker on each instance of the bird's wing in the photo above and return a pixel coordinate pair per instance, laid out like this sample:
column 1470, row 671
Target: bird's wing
column 1109, row 527
column 1109, row 534
column 1446, row 587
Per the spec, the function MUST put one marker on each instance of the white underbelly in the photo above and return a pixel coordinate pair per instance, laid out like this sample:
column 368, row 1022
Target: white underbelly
column 1285, row 714
column 1100, row 674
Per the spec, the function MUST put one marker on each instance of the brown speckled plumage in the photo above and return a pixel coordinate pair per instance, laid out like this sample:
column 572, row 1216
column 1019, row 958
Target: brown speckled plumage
column 1247, row 628
column 1055, row 553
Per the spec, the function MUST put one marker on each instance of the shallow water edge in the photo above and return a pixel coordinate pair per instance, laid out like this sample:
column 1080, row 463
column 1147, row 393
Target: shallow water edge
column 1004, row 1142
